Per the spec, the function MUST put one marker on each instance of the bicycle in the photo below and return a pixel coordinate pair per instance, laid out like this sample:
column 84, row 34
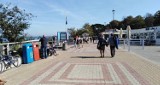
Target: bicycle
column 9, row 60
column 51, row 51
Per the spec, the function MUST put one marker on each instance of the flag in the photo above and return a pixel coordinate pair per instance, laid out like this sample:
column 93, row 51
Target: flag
column 66, row 21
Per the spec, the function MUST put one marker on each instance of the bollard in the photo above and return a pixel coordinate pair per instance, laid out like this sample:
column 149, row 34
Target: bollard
column 128, row 44
column 124, row 44
column 64, row 46
column 143, row 44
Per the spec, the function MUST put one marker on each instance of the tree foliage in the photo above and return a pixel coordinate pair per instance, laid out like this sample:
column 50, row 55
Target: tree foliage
column 127, row 21
column 13, row 21
column 88, row 29
column 149, row 20
column 157, row 18
column 72, row 32
column 137, row 22
column 114, row 24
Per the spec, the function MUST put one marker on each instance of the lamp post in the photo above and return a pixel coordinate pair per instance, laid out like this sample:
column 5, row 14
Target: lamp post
column 113, row 13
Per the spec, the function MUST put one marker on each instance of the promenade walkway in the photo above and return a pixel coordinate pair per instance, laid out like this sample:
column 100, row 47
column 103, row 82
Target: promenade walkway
column 84, row 67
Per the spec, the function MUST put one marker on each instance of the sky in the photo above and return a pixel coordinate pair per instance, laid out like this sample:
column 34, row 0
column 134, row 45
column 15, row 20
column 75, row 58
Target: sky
column 51, row 14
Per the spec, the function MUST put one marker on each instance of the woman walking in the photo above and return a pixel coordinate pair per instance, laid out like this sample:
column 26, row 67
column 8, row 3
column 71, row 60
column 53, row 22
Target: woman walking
column 101, row 45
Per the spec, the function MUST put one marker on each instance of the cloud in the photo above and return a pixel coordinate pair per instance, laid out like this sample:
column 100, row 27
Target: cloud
column 27, row 2
column 63, row 11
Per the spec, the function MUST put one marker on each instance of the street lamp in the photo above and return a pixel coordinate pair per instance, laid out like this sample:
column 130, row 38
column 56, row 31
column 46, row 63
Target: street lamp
column 113, row 13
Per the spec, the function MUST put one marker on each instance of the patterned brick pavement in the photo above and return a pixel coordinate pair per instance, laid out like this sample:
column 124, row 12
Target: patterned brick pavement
column 110, row 73
column 84, row 67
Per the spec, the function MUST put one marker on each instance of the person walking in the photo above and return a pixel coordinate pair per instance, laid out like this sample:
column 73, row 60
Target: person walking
column 43, row 41
column 113, row 44
column 78, row 42
column 101, row 45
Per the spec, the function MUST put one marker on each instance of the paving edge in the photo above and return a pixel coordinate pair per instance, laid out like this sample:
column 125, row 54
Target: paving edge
column 140, row 56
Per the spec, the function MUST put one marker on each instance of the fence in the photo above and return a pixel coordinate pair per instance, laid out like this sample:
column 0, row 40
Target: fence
column 6, row 47
column 128, row 42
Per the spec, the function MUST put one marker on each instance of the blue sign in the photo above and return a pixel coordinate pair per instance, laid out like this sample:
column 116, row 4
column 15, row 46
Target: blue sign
column 61, row 36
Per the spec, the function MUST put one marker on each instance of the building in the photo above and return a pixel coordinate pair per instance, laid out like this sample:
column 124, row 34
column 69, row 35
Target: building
column 150, row 34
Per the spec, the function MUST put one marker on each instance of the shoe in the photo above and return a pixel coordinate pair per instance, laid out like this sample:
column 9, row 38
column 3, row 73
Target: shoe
column 56, row 54
column 112, row 56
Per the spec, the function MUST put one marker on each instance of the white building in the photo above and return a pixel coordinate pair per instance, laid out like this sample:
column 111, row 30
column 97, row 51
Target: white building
column 151, row 34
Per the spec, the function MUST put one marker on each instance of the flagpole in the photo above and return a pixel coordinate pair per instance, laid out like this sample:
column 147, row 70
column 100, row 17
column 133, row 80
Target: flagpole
column 66, row 27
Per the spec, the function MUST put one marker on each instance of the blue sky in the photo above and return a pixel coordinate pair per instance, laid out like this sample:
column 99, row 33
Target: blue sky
column 51, row 14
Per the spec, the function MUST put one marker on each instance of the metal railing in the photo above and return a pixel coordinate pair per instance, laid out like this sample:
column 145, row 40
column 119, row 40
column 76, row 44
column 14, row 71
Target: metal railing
column 6, row 47
column 128, row 42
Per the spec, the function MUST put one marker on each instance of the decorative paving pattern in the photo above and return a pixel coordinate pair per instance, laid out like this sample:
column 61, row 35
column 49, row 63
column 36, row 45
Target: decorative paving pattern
column 111, row 73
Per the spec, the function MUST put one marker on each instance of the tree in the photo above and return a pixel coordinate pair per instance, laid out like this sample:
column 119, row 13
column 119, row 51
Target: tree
column 81, row 31
column 157, row 18
column 13, row 21
column 97, row 28
column 88, row 29
column 138, row 22
column 72, row 32
column 149, row 20
column 127, row 21
column 114, row 24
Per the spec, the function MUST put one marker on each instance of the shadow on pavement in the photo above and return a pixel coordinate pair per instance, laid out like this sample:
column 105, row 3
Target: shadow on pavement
column 90, row 57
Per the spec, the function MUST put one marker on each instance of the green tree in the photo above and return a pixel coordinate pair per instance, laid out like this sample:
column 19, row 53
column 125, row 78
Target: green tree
column 88, row 29
column 72, row 32
column 127, row 21
column 97, row 28
column 138, row 22
column 114, row 24
column 149, row 20
column 157, row 18
column 13, row 21
column 81, row 31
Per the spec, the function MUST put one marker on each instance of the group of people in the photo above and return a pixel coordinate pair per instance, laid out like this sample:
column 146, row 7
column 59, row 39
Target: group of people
column 102, row 42
column 77, row 42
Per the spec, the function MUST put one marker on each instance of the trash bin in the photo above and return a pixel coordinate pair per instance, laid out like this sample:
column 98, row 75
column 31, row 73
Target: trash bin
column 36, row 51
column 64, row 46
column 27, row 53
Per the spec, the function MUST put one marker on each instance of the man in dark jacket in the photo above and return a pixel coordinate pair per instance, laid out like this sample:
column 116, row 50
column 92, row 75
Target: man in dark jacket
column 43, row 41
column 113, row 44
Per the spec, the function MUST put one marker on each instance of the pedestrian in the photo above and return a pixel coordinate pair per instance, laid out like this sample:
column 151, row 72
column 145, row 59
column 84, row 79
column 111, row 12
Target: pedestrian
column 75, row 43
column 78, row 42
column 93, row 38
column 43, row 41
column 101, row 45
column 113, row 44
column 90, row 39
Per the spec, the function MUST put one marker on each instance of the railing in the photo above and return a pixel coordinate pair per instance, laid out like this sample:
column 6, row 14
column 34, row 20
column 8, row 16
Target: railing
column 129, row 42
column 6, row 47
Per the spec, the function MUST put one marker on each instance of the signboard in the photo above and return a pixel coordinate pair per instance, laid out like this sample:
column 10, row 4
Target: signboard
column 61, row 36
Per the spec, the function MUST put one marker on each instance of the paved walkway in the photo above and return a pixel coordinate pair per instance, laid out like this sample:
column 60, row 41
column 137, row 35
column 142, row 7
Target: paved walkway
column 149, row 52
column 85, row 67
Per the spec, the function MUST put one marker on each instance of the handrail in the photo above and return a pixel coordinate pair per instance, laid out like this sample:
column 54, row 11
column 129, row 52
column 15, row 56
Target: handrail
column 2, row 48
